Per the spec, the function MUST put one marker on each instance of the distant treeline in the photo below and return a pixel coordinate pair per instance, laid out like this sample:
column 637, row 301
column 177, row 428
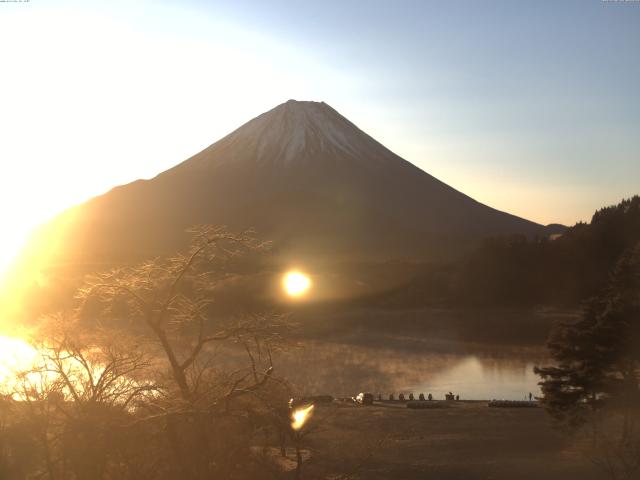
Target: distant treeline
column 519, row 271
column 502, row 271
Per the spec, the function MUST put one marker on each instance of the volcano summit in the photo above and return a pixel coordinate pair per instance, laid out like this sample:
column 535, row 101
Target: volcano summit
column 303, row 176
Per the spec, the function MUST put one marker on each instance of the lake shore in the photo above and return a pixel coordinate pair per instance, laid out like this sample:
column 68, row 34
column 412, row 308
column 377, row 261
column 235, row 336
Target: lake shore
column 466, row 440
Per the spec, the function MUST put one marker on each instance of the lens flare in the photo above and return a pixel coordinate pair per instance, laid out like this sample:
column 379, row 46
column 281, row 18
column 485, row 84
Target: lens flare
column 296, row 283
column 300, row 417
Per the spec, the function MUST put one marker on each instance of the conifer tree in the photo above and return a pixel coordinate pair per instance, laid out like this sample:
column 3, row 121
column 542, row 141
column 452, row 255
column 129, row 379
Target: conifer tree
column 595, row 382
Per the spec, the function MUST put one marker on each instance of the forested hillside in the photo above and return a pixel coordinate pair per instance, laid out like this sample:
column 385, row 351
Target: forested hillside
column 515, row 270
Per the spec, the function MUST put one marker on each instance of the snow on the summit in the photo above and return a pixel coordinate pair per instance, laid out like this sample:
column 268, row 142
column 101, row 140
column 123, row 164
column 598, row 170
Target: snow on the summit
column 296, row 130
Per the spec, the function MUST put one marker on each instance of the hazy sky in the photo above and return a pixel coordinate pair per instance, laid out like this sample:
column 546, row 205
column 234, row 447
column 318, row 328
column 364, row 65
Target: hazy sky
column 532, row 107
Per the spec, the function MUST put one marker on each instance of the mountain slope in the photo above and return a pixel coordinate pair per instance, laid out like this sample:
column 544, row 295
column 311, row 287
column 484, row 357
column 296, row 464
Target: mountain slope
column 301, row 175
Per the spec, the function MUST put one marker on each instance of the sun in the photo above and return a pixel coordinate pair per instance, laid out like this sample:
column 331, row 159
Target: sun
column 296, row 283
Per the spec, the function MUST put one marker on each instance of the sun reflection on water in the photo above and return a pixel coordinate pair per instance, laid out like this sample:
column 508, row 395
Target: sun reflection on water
column 15, row 355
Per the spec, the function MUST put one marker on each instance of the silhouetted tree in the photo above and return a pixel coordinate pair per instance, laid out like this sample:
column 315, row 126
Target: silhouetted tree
column 76, row 400
column 595, row 384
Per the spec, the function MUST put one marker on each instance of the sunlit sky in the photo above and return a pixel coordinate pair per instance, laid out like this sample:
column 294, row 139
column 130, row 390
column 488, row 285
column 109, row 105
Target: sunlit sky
column 530, row 107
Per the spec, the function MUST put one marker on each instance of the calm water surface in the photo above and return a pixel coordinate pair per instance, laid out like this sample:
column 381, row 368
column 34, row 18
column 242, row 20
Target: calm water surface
column 478, row 378
column 344, row 370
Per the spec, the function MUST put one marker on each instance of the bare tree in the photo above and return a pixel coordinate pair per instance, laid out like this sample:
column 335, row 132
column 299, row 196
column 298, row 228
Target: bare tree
column 77, row 397
column 167, row 302
column 138, row 383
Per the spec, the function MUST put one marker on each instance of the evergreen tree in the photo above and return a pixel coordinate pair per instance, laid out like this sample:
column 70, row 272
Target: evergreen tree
column 596, row 379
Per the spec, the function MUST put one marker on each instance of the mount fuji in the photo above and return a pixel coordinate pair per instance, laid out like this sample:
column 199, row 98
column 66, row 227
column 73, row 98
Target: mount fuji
column 304, row 177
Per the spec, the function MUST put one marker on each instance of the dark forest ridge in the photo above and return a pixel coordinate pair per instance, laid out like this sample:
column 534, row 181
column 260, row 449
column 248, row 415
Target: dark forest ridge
column 303, row 176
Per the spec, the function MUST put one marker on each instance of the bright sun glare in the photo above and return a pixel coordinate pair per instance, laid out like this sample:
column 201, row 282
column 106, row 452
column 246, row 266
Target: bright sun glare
column 15, row 355
column 296, row 283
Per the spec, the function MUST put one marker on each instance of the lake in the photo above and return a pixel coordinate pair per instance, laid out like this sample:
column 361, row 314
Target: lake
column 344, row 370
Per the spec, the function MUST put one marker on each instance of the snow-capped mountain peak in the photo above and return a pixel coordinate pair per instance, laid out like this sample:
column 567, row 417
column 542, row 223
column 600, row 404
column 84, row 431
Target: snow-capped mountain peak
column 299, row 131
